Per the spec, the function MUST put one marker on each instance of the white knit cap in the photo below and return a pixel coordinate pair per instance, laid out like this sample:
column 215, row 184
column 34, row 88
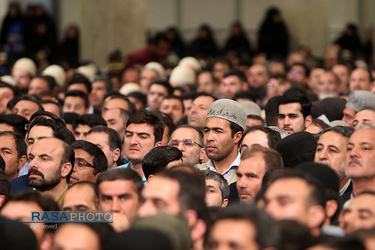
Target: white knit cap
column 129, row 88
column 8, row 79
column 181, row 76
column 57, row 72
column 157, row 67
column 191, row 62
column 27, row 65
column 88, row 70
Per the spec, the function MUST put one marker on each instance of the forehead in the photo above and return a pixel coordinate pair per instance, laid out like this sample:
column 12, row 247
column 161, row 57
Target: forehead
column 293, row 107
column 365, row 135
column 185, row 133
column 255, row 163
column 366, row 114
column 290, row 187
column 27, row 104
column 117, row 103
column 150, row 73
column 162, row 188
column 256, row 69
column 332, row 137
column 78, row 193
column 7, row 140
column 229, row 79
column 363, row 201
column 140, row 128
column 328, row 76
column 74, row 99
column 98, row 84
column 38, row 81
column 207, row 100
column 171, row 101
column 78, row 86
column 112, row 113
column 81, row 153
column 40, row 131
column 5, row 90
column 255, row 136
column 116, row 187
column 51, row 146
column 215, row 122
column 158, row 88
column 212, row 182
column 100, row 138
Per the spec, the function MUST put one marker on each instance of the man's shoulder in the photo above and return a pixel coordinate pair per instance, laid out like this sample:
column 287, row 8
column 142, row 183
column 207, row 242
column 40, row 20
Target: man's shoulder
column 19, row 184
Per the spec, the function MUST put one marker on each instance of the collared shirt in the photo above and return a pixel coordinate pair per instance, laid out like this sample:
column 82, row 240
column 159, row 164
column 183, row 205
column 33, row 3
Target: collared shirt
column 345, row 187
column 127, row 165
column 230, row 173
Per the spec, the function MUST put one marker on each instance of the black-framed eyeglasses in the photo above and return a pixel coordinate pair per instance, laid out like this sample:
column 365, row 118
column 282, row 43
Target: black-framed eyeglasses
column 186, row 143
column 82, row 164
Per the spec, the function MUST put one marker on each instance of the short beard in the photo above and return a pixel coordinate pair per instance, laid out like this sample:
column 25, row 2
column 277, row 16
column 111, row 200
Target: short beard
column 42, row 184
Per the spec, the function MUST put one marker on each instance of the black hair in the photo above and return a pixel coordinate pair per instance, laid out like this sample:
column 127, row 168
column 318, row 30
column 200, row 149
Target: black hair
column 163, row 83
column 273, row 137
column 90, row 120
column 152, row 118
column 114, row 140
column 19, row 141
column 78, row 78
column 78, row 93
column 16, row 121
column 294, row 96
column 236, row 72
column 100, row 160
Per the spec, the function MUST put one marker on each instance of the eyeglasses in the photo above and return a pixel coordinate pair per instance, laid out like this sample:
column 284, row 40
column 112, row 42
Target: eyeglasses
column 187, row 143
column 82, row 164
column 271, row 86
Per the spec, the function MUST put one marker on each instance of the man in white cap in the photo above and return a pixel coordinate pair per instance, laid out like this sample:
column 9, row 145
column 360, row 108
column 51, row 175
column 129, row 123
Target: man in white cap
column 23, row 71
column 358, row 100
column 225, row 123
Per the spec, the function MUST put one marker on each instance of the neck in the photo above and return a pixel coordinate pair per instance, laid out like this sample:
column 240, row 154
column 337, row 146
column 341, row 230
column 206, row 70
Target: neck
column 360, row 185
column 57, row 190
column 114, row 165
column 224, row 164
column 137, row 167
column 343, row 181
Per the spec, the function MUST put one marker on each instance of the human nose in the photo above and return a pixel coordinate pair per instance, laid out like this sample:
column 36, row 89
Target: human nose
column 115, row 206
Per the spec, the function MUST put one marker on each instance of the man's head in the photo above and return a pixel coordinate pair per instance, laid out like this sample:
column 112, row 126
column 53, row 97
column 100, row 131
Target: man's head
column 80, row 196
column 89, row 162
column 7, row 93
column 233, row 82
column 360, row 79
column 343, row 72
column 51, row 163
column 360, row 154
column 358, row 100
column 257, row 76
column 26, row 106
column 328, row 85
column 79, row 82
column 13, row 150
column 173, row 106
column 331, row 149
column 260, row 135
column 158, row 90
column 206, row 82
column 217, row 189
column 220, row 66
column 364, row 117
column 296, row 196
column 359, row 213
column 243, row 226
column 116, row 119
column 52, row 107
column 14, row 123
column 160, row 45
column 294, row 112
column 19, row 207
column 299, row 72
column 198, row 112
column 23, row 71
column 255, row 162
column 83, row 123
column 146, row 78
column 43, row 87
column 118, row 101
column 144, row 131
column 100, row 85
column 119, row 191
column 76, row 101
column 189, row 141
column 109, row 141
column 225, row 123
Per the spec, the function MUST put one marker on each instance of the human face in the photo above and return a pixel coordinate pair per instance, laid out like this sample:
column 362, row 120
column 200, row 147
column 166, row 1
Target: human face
column 38, row 86
column 360, row 214
column 361, row 154
column 364, row 117
column 214, row 197
column 290, row 118
column 25, row 108
column 230, row 86
column 205, row 83
column 250, row 174
column 44, row 164
column 343, row 74
column 254, row 137
column 22, row 78
column 114, row 120
column 115, row 103
column 349, row 115
column 80, row 198
column 198, row 112
column 327, row 86
column 119, row 196
column 147, row 76
column 21, row 211
column 219, row 70
column 160, row 195
column 6, row 94
column 80, row 237
column 53, row 108
column 233, row 234
column 97, row 93
column 78, row 86
column 81, row 131
column 155, row 96
column 190, row 154
column 219, row 143
column 287, row 199
column 139, row 140
column 359, row 80
column 257, row 76
column 297, row 73
column 36, row 133
column 9, row 152
column 82, row 172
column 331, row 150
column 137, row 102
column 74, row 104
column 100, row 139
column 172, row 107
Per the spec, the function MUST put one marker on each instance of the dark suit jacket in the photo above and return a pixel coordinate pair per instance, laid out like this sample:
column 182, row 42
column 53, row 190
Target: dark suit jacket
column 19, row 184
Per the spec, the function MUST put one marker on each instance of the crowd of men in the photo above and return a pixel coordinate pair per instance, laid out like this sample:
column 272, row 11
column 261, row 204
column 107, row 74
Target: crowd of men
column 221, row 156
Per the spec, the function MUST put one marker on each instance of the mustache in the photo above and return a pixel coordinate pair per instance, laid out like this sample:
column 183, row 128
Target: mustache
column 34, row 171
column 351, row 160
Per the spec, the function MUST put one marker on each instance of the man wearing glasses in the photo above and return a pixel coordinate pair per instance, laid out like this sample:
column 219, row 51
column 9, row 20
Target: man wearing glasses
column 189, row 141
column 89, row 162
